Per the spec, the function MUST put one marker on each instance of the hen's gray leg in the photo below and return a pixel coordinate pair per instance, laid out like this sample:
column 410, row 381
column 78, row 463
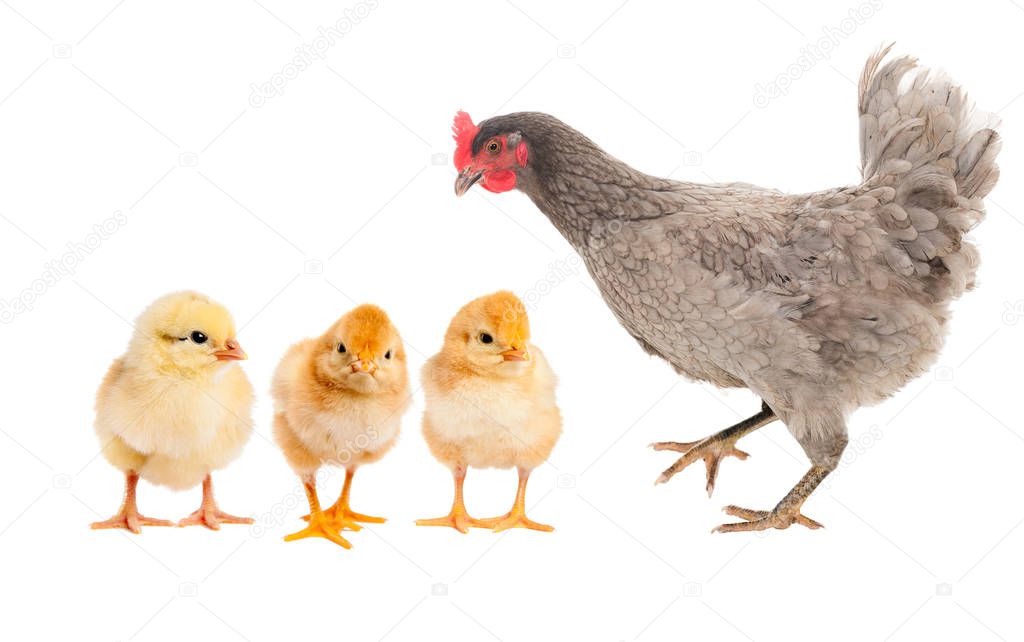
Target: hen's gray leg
column 825, row 454
column 714, row 448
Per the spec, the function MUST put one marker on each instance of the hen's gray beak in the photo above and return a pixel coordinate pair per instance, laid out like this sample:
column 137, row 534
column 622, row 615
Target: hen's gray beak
column 466, row 179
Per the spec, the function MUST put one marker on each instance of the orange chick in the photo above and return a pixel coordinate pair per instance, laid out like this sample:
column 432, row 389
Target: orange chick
column 339, row 401
column 490, row 402
column 175, row 406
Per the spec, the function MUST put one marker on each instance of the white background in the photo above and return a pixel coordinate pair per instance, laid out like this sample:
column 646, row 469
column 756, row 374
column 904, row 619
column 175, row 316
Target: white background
column 145, row 109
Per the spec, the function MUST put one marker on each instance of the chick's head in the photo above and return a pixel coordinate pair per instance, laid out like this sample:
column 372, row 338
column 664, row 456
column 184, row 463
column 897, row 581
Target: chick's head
column 492, row 335
column 186, row 332
column 362, row 352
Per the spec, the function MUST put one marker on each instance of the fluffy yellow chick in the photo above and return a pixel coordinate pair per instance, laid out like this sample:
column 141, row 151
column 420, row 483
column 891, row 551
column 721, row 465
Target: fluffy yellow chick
column 175, row 406
column 339, row 400
column 490, row 402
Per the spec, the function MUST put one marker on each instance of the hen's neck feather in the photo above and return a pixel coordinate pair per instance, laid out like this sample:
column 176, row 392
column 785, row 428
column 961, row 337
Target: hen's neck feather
column 578, row 185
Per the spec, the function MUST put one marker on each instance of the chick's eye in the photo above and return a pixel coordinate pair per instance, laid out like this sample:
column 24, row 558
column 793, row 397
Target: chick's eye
column 341, row 348
column 198, row 337
column 486, row 338
column 387, row 355
column 493, row 146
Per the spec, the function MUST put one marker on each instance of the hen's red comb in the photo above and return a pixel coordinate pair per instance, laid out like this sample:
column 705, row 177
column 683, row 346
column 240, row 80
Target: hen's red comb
column 463, row 131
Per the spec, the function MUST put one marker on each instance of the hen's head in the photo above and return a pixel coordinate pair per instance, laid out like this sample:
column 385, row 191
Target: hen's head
column 493, row 153
column 362, row 352
column 491, row 334
column 186, row 333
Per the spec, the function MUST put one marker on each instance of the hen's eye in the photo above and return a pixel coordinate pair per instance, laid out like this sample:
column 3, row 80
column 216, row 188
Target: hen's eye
column 198, row 337
column 387, row 355
column 486, row 338
column 341, row 348
column 493, row 147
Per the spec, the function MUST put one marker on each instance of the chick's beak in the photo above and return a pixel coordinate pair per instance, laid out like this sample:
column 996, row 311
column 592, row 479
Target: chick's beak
column 516, row 354
column 365, row 363
column 466, row 179
column 232, row 352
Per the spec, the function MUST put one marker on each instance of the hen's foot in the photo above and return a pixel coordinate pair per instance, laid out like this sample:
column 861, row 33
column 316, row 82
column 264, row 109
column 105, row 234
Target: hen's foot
column 212, row 517
column 130, row 520
column 513, row 519
column 786, row 513
column 320, row 526
column 759, row 520
column 712, row 450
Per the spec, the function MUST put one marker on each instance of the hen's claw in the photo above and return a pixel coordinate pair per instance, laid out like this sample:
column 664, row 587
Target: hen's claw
column 786, row 512
column 712, row 450
column 759, row 520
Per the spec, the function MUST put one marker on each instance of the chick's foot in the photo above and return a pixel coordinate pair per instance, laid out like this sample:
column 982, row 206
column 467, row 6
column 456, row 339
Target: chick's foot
column 341, row 515
column 128, row 517
column 713, row 449
column 130, row 520
column 345, row 518
column 320, row 526
column 458, row 519
column 514, row 519
column 212, row 517
column 209, row 514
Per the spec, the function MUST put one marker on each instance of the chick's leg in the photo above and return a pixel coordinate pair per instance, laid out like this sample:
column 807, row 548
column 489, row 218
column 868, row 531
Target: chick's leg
column 516, row 518
column 457, row 518
column 714, row 448
column 785, row 514
column 209, row 514
column 128, row 515
column 319, row 524
column 341, row 513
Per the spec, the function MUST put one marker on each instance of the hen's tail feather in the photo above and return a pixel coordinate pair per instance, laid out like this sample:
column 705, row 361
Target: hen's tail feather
column 920, row 135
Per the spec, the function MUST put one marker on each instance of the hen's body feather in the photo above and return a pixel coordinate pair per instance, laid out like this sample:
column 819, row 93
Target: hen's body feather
column 819, row 302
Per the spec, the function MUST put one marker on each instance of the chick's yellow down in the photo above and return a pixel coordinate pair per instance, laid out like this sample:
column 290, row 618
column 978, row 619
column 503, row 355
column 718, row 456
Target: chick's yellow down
column 175, row 406
column 490, row 402
column 339, row 400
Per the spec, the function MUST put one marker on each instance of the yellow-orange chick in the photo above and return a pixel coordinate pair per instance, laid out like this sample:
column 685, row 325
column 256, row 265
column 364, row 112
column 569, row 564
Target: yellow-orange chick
column 490, row 402
column 175, row 406
column 339, row 401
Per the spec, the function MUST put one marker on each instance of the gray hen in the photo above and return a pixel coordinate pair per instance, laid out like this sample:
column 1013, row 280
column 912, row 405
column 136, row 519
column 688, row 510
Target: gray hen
column 818, row 303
